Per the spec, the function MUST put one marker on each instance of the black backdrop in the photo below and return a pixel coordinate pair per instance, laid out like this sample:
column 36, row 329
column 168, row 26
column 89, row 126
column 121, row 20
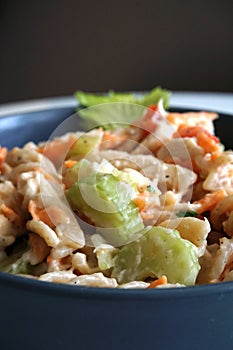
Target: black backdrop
column 53, row 47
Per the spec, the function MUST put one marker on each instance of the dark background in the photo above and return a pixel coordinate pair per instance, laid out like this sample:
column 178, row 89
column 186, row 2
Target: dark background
column 53, row 47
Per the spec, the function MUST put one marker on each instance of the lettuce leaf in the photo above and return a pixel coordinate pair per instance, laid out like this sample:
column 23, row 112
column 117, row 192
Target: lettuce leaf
column 86, row 99
column 116, row 109
column 110, row 116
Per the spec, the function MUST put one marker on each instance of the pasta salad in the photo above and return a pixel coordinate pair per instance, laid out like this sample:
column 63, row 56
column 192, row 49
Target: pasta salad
column 142, row 204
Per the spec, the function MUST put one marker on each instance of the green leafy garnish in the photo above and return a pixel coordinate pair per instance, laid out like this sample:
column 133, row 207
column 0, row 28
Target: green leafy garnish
column 86, row 99
column 117, row 109
column 184, row 214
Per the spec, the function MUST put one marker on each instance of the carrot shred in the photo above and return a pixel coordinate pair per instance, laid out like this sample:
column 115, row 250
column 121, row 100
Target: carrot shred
column 209, row 143
column 209, row 201
column 205, row 139
column 107, row 136
column 41, row 149
column 69, row 163
column 3, row 154
column 39, row 214
column 140, row 201
column 110, row 140
column 49, row 259
column 11, row 215
column 160, row 281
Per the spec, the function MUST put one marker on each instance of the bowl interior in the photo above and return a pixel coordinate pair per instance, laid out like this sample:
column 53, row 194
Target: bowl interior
column 17, row 129
column 185, row 318
column 37, row 126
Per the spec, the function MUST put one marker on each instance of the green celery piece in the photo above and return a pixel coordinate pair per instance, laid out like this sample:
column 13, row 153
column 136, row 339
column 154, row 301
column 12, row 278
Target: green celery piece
column 160, row 251
column 81, row 169
column 84, row 145
column 105, row 256
column 105, row 201
column 19, row 266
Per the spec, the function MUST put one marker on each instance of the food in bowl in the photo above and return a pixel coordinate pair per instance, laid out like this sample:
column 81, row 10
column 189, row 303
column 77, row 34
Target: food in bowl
column 142, row 205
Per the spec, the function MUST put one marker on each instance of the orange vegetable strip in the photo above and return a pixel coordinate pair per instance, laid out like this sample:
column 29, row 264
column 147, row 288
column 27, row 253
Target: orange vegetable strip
column 188, row 131
column 160, row 281
column 3, row 154
column 11, row 215
column 39, row 214
column 107, row 136
column 41, row 149
column 205, row 139
column 209, row 143
column 209, row 201
column 140, row 201
column 49, row 259
column 69, row 163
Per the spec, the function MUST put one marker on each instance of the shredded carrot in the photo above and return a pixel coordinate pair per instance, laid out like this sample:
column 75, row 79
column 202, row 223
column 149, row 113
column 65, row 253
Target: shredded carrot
column 209, row 201
column 41, row 149
column 209, row 143
column 160, row 281
column 11, row 215
column 110, row 140
column 50, row 215
column 140, row 201
column 107, row 136
column 205, row 139
column 153, row 107
column 3, row 154
column 39, row 214
column 187, row 131
column 49, row 259
column 69, row 163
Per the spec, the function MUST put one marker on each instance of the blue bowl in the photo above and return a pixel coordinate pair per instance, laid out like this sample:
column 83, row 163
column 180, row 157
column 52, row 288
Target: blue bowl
column 39, row 315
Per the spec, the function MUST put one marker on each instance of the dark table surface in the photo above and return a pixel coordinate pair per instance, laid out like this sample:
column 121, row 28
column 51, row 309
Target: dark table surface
column 53, row 47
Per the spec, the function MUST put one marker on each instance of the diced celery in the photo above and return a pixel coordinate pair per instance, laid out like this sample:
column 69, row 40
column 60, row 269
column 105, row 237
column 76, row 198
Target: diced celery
column 107, row 202
column 161, row 251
